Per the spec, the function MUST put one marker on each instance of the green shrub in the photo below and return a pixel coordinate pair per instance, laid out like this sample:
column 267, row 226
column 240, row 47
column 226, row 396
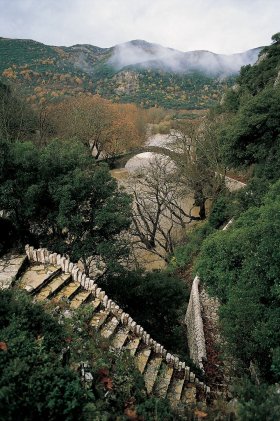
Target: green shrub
column 185, row 253
column 241, row 267
column 154, row 299
column 33, row 383
column 258, row 402
column 220, row 212
column 36, row 382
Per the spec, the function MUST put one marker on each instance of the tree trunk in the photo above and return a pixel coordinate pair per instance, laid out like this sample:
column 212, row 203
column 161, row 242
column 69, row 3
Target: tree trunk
column 199, row 200
column 202, row 210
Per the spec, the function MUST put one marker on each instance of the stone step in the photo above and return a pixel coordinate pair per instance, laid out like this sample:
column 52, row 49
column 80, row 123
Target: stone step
column 189, row 394
column 175, row 388
column 132, row 345
column 68, row 292
column 46, row 281
column 95, row 304
column 142, row 358
column 99, row 318
column 53, row 287
column 37, row 276
column 163, row 381
column 120, row 338
column 80, row 298
column 151, row 373
column 109, row 328
column 10, row 269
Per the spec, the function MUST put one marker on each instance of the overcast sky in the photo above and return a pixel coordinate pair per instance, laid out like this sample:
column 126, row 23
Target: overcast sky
column 221, row 26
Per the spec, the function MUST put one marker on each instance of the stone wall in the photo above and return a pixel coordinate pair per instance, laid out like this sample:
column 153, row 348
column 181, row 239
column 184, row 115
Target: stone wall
column 46, row 257
column 193, row 318
column 233, row 184
column 194, row 322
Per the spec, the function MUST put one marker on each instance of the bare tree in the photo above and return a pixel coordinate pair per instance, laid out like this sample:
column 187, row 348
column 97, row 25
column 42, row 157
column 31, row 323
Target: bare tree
column 191, row 168
column 158, row 209
column 197, row 158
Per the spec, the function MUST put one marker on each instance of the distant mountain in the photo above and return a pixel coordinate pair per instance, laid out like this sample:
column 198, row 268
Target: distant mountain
column 136, row 71
column 142, row 54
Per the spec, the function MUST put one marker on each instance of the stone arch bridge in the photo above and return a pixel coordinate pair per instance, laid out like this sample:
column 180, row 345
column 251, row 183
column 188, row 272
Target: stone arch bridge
column 120, row 161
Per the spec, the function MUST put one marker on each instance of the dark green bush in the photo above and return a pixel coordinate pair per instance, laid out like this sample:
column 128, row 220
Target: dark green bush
column 37, row 383
column 241, row 267
column 258, row 402
column 184, row 254
column 220, row 212
column 33, row 383
column 154, row 299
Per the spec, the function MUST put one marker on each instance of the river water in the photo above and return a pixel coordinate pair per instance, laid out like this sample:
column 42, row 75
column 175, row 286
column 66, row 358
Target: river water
column 147, row 259
column 143, row 159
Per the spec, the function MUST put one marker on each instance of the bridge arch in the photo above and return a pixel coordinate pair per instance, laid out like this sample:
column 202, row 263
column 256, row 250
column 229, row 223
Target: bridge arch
column 121, row 160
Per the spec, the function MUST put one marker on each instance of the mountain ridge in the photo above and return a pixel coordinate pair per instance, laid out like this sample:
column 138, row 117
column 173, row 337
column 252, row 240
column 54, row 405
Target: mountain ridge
column 161, row 75
column 134, row 41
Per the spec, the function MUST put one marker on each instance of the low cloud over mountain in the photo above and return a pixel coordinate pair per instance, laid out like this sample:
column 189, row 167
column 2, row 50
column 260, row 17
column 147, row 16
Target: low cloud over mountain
column 141, row 54
column 136, row 71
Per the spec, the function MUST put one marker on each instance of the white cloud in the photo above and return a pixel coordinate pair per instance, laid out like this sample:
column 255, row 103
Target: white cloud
column 154, row 55
column 222, row 26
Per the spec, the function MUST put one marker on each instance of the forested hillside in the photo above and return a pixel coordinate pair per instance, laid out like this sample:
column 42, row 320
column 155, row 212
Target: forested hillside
column 240, row 266
column 168, row 78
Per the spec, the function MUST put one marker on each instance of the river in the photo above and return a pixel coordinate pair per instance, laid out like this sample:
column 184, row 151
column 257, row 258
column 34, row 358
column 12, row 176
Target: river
column 145, row 258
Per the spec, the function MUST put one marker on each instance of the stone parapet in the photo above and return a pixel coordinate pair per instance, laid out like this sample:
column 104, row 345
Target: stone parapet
column 193, row 318
column 45, row 257
column 194, row 322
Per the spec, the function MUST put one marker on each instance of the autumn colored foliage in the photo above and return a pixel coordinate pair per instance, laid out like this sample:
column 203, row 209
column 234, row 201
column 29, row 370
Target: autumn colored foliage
column 108, row 128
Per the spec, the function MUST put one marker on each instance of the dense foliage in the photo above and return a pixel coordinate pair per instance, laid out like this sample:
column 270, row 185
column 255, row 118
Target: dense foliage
column 50, row 73
column 40, row 357
column 154, row 299
column 190, row 247
column 241, row 265
column 251, row 135
column 30, row 366
column 110, row 129
column 58, row 196
column 16, row 119
column 256, row 78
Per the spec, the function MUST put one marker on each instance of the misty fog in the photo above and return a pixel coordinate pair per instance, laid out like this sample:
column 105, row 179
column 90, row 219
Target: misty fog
column 144, row 55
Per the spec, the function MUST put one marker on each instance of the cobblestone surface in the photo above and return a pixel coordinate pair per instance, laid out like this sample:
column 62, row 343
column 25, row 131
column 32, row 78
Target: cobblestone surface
column 10, row 266
column 218, row 366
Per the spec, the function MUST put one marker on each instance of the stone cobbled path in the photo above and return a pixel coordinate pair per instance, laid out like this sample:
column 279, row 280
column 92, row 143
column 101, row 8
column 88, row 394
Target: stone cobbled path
column 164, row 375
column 219, row 366
column 10, row 267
